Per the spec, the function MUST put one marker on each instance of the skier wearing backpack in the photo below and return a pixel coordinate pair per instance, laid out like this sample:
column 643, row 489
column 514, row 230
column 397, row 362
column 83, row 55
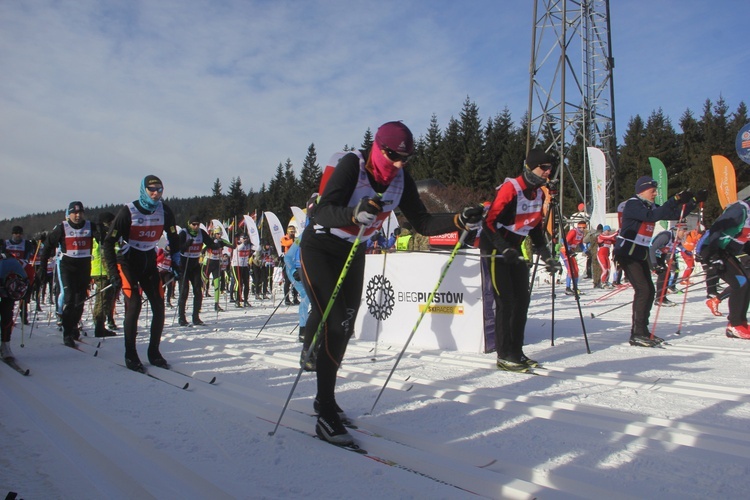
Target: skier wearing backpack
column 363, row 189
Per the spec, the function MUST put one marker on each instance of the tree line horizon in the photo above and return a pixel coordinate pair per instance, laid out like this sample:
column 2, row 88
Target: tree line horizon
column 471, row 157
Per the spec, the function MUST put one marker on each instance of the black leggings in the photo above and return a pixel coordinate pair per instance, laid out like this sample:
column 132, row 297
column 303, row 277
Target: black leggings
column 191, row 277
column 75, row 275
column 321, row 269
column 510, row 288
column 639, row 274
column 735, row 275
column 138, row 275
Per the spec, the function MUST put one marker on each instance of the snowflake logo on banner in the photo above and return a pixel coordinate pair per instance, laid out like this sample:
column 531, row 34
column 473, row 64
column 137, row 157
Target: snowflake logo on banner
column 379, row 297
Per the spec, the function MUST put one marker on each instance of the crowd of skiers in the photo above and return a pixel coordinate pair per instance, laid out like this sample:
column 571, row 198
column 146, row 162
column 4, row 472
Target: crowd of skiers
column 323, row 267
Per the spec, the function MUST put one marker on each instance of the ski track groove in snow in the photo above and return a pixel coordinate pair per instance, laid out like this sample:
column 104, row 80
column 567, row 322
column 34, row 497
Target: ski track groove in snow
column 88, row 437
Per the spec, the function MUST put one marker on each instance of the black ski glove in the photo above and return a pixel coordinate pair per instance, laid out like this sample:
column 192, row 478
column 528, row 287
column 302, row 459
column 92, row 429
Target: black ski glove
column 552, row 265
column 716, row 265
column 701, row 196
column 470, row 218
column 683, row 197
column 510, row 255
column 366, row 211
column 115, row 280
column 658, row 268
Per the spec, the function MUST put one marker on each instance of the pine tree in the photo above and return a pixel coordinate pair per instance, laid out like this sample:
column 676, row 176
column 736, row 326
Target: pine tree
column 505, row 148
column 292, row 194
column 427, row 149
column 367, row 140
column 217, row 200
column 276, row 191
column 472, row 168
column 633, row 156
column 661, row 142
column 450, row 155
column 310, row 174
column 236, row 199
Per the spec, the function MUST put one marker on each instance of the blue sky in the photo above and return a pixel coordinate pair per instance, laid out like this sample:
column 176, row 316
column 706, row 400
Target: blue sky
column 97, row 94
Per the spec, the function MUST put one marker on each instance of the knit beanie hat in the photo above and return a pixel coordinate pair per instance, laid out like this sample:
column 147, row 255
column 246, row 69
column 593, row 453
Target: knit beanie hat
column 644, row 183
column 395, row 136
column 538, row 157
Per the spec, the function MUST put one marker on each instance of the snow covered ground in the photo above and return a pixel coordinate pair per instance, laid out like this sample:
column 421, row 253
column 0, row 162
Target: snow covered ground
column 620, row 422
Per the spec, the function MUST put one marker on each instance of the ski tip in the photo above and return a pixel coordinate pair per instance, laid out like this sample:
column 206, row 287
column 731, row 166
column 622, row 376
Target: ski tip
column 184, row 387
column 213, row 380
column 26, row 372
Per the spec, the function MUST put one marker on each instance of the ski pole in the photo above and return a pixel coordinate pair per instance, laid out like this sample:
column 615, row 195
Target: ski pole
column 23, row 323
column 424, row 311
column 630, row 302
column 577, row 296
column 33, row 322
column 609, row 294
column 308, row 352
column 668, row 270
column 92, row 296
column 682, row 312
column 535, row 265
column 274, row 312
column 182, row 287
column 380, row 294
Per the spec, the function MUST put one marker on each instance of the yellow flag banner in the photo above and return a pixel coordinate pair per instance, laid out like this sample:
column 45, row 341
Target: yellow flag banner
column 726, row 183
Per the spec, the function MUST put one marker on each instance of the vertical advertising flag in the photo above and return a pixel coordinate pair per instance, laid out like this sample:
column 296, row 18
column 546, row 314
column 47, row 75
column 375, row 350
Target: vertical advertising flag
column 252, row 230
column 659, row 173
column 216, row 223
column 300, row 219
column 598, row 168
column 726, row 182
column 276, row 230
column 742, row 144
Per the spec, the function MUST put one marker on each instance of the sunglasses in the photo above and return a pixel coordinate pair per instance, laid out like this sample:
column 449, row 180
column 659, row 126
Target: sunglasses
column 195, row 223
column 155, row 189
column 545, row 166
column 394, row 156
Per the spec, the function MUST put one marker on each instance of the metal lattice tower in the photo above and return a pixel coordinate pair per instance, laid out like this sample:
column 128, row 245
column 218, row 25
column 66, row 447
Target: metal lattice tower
column 571, row 86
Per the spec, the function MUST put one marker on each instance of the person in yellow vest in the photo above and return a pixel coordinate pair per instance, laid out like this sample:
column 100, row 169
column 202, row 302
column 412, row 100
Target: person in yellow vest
column 410, row 240
column 104, row 298
column 403, row 240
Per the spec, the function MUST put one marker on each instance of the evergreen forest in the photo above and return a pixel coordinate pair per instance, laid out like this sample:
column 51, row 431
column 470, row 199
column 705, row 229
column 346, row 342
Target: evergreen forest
column 470, row 155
